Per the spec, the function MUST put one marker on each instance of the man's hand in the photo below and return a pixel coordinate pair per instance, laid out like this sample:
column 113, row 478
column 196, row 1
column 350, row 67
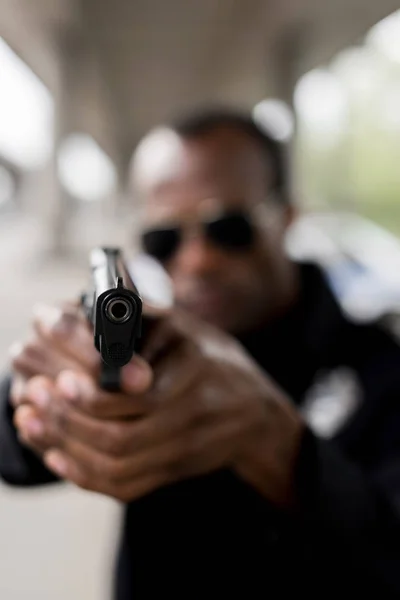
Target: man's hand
column 201, row 406
column 60, row 340
column 82, row 437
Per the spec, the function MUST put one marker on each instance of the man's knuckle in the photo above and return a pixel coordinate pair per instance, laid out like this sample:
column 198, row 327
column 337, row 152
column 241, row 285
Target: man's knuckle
column 61, row 329
column 15, row 398
column 65, row 326
column 29, row 348
column 81, row 404
column 26, row 351
column 107, row 444
column 89, row 403
column 115, row 470
column 18, row 363
column 115, row 442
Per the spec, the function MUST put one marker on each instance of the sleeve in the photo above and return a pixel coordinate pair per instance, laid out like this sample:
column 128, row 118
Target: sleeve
column 19, row 466
column 349, row 487
column 351, row 513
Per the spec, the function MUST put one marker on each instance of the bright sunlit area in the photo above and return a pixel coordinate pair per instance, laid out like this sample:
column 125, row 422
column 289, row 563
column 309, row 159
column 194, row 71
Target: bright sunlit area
column 26, row 113
column 85, row 170
column 348, row 143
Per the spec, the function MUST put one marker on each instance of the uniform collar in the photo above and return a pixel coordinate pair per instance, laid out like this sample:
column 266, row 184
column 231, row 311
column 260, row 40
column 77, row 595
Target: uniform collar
column 305, row 339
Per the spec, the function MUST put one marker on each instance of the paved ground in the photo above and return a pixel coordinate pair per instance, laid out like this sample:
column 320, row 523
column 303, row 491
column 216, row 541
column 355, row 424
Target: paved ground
column 58, row 543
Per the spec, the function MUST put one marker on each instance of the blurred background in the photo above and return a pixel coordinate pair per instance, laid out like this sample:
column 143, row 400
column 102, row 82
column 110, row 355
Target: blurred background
column 80, row 82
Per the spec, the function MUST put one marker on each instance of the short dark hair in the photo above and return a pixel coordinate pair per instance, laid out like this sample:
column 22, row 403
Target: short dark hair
column 204, row 121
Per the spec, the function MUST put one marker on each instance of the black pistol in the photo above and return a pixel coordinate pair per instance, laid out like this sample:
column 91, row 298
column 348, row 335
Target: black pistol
column 114, row 308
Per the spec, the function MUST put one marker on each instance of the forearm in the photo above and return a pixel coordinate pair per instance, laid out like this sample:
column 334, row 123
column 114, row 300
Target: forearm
column 18, row 465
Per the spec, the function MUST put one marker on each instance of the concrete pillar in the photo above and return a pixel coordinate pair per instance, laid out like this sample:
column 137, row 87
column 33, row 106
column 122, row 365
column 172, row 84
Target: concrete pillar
column 286, row 66
column 285, row 71
column 59, row 209
column 82, row 106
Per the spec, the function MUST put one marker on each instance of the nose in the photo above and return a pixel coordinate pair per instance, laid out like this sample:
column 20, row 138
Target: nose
column 197, row 256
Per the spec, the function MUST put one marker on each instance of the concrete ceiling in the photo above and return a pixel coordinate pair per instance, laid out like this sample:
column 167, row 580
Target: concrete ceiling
column 133, row 63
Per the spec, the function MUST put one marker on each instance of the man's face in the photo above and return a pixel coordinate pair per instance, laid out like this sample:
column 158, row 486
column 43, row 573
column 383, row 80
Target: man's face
column 239, row 289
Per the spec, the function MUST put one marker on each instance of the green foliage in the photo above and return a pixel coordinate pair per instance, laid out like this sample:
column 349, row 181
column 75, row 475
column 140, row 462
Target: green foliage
column 360, row 169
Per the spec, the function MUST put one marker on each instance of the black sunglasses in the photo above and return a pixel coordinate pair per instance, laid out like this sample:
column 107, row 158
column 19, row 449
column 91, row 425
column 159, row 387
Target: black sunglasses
column 232, row 231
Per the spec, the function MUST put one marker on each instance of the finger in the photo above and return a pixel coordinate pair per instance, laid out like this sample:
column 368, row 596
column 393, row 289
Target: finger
column 179, row 368
column 136, row 376
column 143, row 486
column 27, row 421
column 25, row 365
column 161, row 333
column 86, row 470
column 84, row 394
column 68, row 331
column 182, row 451
column 38, row 358
column 18, row 384
column 39, row 392
column 124, row 439
column 210, row 447
column 31, row 429
column 189, row 454
column 156, row 429
column 37, row 426
column 64, row 425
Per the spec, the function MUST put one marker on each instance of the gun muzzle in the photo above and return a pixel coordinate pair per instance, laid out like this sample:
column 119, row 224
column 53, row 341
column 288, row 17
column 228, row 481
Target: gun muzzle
column 119, row 310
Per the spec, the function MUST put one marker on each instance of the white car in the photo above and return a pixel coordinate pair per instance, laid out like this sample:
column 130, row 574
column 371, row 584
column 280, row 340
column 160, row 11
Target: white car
column 362, row 260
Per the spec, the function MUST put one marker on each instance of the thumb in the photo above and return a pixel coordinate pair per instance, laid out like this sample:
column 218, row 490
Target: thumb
column 156, row 330
column 136, row 376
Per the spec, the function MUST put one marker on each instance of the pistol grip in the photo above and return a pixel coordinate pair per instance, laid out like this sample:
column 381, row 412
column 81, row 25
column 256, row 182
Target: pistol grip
column 110, row 378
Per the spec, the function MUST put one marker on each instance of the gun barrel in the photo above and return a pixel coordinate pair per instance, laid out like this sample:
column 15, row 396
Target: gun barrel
column 115, row 311
column 104, row 269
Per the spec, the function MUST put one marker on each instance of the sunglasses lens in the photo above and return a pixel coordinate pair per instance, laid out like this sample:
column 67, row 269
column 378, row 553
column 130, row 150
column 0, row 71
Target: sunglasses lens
column 232, row 231
column 161, row 243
